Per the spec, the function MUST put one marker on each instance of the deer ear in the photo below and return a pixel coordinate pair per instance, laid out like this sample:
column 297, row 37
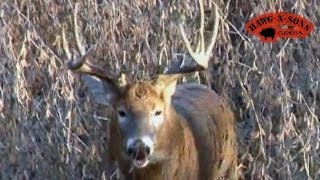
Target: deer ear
column 165, row 85
column 102, row 91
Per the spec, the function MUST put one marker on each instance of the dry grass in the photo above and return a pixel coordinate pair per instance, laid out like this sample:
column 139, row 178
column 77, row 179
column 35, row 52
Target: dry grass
column 50, row 130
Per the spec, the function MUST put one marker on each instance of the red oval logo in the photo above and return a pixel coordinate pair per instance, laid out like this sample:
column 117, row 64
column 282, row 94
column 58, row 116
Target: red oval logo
column 271, row 26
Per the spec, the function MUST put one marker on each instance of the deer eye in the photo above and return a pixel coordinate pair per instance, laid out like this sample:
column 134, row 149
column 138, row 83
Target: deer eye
column 121, row 113
column 157, row 113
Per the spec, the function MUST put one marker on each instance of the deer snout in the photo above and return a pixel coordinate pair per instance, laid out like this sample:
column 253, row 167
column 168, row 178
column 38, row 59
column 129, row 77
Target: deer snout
column 142, row 143
column 139, row 149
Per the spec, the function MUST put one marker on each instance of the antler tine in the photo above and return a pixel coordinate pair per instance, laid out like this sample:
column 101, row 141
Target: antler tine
column 80, row 64
column 201, row 55
column 215, row 31
column 75, row 31
column 186, row 41
column 201, row 42
column 77, row 64
column 65, row 44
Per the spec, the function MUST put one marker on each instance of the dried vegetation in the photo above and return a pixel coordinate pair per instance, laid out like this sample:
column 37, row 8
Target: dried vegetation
column 49, row 128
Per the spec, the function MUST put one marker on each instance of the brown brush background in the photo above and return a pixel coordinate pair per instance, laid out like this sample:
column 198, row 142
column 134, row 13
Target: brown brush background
column 49, row 129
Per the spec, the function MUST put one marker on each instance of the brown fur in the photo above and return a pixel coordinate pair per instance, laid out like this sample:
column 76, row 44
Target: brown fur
column 196, row 141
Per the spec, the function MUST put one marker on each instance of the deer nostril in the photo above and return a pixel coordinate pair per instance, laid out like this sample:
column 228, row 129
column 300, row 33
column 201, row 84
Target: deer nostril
column 147, row 150
column 130, row 150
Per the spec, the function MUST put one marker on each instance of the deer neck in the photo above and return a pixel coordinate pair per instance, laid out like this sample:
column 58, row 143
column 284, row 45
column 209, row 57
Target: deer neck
column 179, row 145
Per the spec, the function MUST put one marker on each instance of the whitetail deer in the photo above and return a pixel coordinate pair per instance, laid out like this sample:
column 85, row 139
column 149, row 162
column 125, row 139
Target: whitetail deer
column 162, row 130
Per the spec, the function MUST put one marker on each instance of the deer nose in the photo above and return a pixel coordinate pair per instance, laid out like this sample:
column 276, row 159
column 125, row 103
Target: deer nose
column 138, row 146
column 142, row 144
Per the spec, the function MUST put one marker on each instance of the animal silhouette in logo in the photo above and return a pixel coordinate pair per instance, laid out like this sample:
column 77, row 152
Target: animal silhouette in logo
column 268, row 32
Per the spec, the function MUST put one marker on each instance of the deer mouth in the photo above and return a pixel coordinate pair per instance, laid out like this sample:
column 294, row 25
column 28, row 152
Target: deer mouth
column 140, row 159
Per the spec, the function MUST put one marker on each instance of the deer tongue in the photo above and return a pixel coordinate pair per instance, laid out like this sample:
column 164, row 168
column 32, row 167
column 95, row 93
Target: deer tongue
column 140, row 157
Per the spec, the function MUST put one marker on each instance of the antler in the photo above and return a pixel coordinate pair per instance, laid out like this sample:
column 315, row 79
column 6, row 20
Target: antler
column 201, row 56
column 80, row 65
